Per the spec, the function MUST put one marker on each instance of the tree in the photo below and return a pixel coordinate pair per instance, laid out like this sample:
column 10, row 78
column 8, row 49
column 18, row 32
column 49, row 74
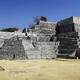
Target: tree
column 42, row 18
column 24, row 30
column 37, row 20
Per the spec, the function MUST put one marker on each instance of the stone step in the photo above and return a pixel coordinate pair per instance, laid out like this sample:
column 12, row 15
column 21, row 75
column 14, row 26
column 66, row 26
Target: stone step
column 66, row 51
column 65, row 56
column 68, row 47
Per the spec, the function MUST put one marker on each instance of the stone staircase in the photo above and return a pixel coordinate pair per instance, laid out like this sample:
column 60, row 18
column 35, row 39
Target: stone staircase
column 68, row 43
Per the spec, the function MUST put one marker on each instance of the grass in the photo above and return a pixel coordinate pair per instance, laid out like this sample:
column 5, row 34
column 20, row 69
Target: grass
column 57, row 69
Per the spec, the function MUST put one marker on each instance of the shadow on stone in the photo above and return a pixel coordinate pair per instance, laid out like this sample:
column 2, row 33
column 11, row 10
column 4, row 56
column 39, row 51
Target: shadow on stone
column 2, row 69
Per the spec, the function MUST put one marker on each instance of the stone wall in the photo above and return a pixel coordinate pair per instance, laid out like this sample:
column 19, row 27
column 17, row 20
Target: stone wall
column 12, row 49
column 76, row 20
column 66, row 21
column 22, row 48
column 69, row 25
column 43, row 50
column 45, row 45
column 77, row 27
column 44, row 31
column 68, row 43
column 65, row 28
column 68, row 33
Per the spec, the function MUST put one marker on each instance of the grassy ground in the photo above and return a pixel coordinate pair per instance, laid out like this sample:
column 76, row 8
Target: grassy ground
column 57, row 69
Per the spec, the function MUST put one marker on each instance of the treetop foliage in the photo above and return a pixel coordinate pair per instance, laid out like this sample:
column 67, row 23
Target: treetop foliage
column 37, row 19
column 42, row 18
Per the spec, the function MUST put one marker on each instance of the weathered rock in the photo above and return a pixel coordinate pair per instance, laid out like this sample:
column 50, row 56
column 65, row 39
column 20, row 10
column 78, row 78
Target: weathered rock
column 2, row 69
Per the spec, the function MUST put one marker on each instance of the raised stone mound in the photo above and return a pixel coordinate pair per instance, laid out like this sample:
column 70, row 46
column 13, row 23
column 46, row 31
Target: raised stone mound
column 46, row 40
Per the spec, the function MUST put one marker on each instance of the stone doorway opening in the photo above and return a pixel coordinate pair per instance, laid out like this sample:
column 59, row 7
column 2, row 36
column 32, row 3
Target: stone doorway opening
column 14, row 56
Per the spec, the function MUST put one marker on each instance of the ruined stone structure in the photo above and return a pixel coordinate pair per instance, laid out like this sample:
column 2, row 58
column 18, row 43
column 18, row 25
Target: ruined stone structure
column 46, row 40
column 68, row 31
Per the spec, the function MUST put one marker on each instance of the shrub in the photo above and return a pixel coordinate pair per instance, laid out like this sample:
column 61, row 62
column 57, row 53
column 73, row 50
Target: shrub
column 9, row 29
column 43, row 18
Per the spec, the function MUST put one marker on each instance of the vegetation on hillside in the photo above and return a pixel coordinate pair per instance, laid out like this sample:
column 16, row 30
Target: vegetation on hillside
column 9, row 29
column 37, row 20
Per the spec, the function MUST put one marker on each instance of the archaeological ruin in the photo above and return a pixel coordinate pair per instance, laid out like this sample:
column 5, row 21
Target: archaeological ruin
column 48, row 40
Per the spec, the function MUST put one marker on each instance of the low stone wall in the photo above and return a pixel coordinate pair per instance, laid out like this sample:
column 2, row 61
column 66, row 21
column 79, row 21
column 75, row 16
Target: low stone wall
column 12, row 49
column 65, row 28
column 43, row 50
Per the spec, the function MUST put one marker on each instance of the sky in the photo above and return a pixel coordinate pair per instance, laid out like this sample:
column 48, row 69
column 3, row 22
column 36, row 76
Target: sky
column 20, row 13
